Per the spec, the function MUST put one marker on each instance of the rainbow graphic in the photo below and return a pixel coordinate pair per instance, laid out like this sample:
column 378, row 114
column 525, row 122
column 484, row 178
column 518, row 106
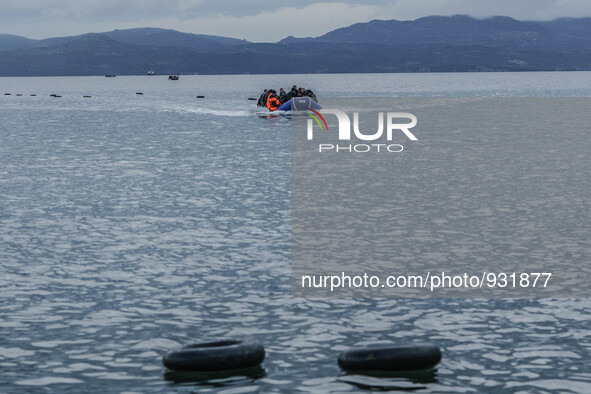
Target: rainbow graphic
column 316, row 118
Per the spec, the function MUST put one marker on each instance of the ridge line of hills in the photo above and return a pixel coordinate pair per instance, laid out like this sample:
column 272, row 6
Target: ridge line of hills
column 430, row 44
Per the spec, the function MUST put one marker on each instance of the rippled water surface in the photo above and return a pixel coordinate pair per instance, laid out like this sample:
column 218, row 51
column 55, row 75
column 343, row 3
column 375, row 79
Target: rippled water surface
column 130, row 224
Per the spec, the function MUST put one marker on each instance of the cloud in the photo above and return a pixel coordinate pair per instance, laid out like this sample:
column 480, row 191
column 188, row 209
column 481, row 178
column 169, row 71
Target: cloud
column 255, row 20
column 196, row 17
column 272, row 26
column 518, row 9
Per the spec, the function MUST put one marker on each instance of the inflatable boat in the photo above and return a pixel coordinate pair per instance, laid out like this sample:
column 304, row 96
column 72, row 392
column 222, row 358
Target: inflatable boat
column 299, row 104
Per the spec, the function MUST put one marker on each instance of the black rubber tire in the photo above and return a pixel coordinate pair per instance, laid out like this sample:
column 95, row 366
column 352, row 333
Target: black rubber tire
column 390, row 358
column 221, row 355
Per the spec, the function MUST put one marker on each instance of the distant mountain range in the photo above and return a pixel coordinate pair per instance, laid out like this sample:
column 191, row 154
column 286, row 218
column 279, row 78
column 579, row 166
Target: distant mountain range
column 430, row 44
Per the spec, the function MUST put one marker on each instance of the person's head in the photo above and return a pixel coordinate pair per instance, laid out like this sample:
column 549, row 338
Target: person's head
column 294, row 87
column 300, row 94
column 281, row 90
column 265, row 90
column 302, row 90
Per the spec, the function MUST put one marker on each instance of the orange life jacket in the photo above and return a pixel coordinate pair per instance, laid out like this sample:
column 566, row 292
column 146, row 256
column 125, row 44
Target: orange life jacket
column 273, row 103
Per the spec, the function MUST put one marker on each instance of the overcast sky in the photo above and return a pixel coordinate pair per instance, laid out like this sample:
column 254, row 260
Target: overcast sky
column 256, row 20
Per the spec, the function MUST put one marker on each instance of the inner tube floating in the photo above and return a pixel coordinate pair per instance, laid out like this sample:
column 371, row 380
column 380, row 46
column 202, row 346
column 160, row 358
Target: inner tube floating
column 222, row 355
column 390, row 358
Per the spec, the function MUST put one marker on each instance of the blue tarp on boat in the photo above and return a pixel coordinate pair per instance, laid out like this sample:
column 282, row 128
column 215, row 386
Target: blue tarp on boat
column 299, row 104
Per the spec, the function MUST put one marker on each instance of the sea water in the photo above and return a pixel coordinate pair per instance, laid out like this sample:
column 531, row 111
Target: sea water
column 133, row 223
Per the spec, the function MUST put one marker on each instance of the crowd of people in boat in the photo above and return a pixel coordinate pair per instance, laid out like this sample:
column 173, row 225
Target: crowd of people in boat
column 273, row 100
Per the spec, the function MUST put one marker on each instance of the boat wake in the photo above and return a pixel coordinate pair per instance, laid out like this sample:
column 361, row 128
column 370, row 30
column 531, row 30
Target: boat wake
column 210, row 111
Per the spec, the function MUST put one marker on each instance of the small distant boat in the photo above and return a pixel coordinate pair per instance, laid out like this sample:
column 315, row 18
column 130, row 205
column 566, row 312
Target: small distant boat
column 173, row 77
column 111, row 75
column 151, row 72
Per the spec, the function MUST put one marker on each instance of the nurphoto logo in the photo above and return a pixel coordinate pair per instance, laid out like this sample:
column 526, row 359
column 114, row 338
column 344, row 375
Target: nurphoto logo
column 344, row 131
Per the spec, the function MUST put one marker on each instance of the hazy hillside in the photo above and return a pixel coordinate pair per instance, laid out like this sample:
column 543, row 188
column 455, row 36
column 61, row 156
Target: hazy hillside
column 172, row 38
column 457, row 43
column 461, row 30
column 9, row 42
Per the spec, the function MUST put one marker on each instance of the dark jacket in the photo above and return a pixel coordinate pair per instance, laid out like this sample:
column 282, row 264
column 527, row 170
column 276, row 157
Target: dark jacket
column 263, row 100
